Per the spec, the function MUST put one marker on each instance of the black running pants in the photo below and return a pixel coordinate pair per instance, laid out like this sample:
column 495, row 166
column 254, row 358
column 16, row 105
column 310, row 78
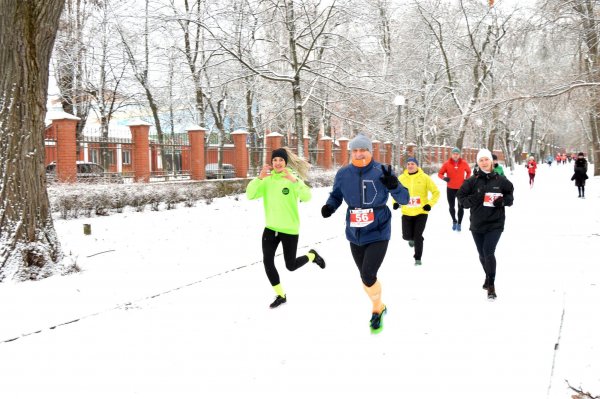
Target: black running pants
column 368, row 259
column 451, row 194
column 486, row 247
column 412, row 230
column 270, row 242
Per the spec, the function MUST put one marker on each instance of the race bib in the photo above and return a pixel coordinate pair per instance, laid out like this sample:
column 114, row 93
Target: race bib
column 361, row 217
column 489, row 198
column 414, row 202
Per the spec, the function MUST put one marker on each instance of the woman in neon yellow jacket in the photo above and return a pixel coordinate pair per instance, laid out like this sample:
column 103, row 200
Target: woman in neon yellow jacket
column 281, row 186
column 414, row 214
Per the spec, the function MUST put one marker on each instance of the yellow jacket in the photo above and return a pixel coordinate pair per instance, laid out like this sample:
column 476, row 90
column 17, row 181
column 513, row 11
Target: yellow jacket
column 419, row 186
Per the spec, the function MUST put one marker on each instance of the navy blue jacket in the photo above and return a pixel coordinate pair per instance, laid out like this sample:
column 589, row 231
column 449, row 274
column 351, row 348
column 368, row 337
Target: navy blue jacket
column 362, row 188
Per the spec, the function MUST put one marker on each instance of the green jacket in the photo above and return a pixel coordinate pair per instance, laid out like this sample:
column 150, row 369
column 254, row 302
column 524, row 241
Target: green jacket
column 499, row 170
column 280, row 200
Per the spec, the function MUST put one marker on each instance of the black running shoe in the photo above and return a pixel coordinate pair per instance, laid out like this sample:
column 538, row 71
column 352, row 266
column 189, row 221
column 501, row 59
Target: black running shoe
column 376, row 322
column 279, row 300
column 318, row 260
column 491, row 293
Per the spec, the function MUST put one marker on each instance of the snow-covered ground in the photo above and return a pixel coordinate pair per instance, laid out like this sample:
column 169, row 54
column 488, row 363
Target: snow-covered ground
column 174, row 304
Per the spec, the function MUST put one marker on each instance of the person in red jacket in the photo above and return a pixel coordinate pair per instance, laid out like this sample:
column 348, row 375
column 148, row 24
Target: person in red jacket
column 454, row 172
column 531, row 167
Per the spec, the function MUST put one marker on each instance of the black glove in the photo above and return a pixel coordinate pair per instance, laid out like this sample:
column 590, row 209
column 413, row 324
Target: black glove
column 499, row 202
column 427, row 207
column 326, row 211
column 446, row 179
column 396, row 205
column 388, row 180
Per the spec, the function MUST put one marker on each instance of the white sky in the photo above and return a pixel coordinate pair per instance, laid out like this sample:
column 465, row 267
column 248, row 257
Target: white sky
column 179, row 308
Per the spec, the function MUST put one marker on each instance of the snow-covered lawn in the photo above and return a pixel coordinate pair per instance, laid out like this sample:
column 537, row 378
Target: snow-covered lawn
column 174, row 304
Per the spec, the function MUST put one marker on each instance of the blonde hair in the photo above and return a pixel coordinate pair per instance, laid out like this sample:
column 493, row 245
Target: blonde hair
column 299, row 165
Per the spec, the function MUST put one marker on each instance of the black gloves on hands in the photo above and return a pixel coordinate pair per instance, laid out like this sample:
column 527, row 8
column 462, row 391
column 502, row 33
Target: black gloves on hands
column 326, row 211
column 388, row 180
column 396, row 205
column 499, row 202
column 446, row 179
column 427, row 207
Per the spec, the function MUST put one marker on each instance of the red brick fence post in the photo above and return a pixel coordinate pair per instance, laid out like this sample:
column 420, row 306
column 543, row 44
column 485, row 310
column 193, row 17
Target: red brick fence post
column 240, row 162
column 273, row 142
column 343, row 142
column 66, row 145
column 376, row 150
column 141, row 150
column 389, row 151
column 196, row 137
column 326, row 160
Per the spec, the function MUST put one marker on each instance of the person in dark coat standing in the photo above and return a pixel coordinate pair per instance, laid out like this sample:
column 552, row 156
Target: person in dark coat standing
column 486, row 195
column 580, row 175
column 365, row 185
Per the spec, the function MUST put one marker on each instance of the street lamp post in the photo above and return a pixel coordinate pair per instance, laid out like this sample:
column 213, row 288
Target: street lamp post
column 399, row 102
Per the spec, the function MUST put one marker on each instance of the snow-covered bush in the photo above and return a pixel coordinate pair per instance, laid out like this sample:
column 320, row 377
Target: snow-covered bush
column 321, row 178
column 138, row 198
column 72, row 200
column 155, row 197
column 190, row 195
column 102, row 201
column 120, row 199
column 172, row 196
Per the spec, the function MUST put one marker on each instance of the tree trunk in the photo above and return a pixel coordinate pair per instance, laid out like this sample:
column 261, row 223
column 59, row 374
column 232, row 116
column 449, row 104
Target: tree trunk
column 157, row 125
column 587, row 11
column 296, row 89
column 29, row 247
column 298, row 117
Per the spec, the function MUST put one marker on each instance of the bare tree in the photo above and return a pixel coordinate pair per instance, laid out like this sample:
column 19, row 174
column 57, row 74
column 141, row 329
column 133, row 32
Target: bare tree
column 29, row 247
column 102, row 87
column 484, row 36
column 588, row 14
column 300, row 28
column 141, row 69
column 70, row 60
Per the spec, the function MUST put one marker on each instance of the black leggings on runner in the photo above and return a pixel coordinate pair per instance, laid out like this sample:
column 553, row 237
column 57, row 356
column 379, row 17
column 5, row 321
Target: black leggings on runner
column 270, row 242
column 369, row 258
column 486, row 246
column 531, row 178
column 412, row 230
column 451, row 194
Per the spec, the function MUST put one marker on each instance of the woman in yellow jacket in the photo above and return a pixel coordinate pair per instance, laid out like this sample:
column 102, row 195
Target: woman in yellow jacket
column 414, row 214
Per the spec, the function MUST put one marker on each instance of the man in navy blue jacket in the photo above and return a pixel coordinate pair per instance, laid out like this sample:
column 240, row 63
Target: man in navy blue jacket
column 365, row 186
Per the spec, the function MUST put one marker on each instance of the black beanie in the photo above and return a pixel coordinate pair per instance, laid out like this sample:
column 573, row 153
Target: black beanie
column 281, row 153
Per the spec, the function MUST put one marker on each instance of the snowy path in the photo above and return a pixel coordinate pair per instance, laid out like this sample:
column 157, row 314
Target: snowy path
column 216, row 337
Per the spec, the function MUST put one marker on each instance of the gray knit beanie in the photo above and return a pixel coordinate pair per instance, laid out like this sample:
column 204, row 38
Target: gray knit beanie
column 361, row 141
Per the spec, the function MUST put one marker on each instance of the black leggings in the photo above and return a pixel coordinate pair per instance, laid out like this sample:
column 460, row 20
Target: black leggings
column 270, row 242
column 412, row 230
column 451, row 194
column 531, row 178
column 369, row 258
column 486, row 246
column 581, row 190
